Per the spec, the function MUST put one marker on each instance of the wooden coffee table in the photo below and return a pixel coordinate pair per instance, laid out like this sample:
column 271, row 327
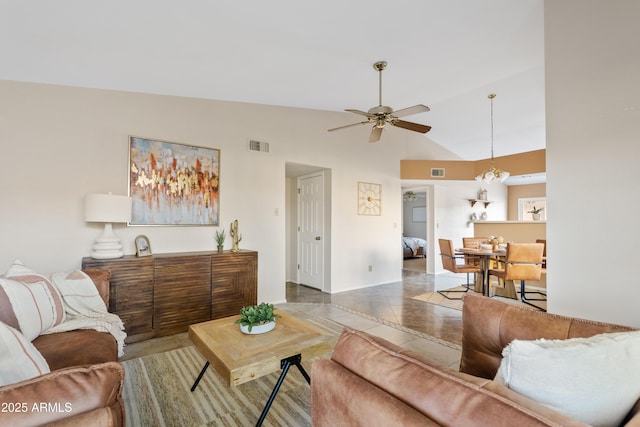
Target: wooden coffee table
column 240, row 358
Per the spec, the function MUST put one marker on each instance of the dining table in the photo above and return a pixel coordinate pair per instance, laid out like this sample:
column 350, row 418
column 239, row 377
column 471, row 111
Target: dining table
column 483, row 285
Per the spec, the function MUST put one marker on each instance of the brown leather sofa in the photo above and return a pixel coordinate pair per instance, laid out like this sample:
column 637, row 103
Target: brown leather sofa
column 84, row 387
column 371, row 382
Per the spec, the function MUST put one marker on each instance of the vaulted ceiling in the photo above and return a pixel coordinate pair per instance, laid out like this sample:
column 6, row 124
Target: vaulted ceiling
column 446, row 54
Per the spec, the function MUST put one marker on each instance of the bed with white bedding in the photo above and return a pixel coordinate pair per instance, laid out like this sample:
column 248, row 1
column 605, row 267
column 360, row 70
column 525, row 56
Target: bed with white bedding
column 413, row 247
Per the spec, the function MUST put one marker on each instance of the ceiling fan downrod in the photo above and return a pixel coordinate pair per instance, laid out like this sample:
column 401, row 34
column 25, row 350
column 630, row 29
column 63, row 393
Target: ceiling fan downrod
column 379, row 66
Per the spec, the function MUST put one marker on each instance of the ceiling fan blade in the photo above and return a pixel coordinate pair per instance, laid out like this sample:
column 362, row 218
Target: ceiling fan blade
column 411, row 110
column 362, row 113
column 348, row 126
column 416, row 127
column 376, row 132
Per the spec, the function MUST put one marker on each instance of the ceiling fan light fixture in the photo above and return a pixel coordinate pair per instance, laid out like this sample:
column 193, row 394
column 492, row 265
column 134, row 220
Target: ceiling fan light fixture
column 410, row 196
column 380, row 115
column 492, row 173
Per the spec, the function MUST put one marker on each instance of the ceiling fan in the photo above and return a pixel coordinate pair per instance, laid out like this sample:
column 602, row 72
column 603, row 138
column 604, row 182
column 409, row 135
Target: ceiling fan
column 382, row 114
column 412, row 196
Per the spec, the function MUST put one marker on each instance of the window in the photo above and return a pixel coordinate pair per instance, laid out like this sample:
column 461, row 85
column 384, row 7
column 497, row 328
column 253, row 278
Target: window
column 525, row 206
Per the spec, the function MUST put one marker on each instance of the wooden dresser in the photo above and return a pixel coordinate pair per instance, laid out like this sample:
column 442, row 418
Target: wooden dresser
column 163, row 294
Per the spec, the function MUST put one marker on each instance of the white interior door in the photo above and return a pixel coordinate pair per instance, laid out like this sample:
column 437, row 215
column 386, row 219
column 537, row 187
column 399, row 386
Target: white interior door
column 311, row 230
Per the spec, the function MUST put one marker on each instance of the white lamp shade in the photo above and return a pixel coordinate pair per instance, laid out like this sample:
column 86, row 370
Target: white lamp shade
column 107, row 208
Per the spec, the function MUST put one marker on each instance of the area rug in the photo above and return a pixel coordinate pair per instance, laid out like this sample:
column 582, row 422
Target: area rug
column 438, row 299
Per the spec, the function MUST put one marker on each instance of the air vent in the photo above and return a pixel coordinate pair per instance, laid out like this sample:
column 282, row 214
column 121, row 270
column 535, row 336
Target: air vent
column 255, row 145
column 437, row 172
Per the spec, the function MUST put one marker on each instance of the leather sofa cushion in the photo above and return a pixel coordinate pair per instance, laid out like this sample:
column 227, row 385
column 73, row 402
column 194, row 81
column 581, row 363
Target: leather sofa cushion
column 72, row 392
column 76, row 348
column 339, row 397
column 441, row 395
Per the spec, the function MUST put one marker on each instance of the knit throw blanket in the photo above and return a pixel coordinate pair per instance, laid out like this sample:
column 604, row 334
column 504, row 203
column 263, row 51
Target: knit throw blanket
column 84, row 307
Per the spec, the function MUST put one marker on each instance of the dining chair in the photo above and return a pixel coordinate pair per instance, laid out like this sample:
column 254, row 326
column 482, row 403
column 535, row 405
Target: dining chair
column 472, row 243
column 450, row 262
column 522, row 262
column 544, row 253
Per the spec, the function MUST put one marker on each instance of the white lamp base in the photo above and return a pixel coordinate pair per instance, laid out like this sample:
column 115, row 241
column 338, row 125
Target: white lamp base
column 107, row 246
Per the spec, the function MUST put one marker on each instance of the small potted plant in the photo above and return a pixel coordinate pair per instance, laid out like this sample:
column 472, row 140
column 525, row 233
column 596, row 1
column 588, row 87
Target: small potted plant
column 535, row 213
column 257, row 319
column 220, row 236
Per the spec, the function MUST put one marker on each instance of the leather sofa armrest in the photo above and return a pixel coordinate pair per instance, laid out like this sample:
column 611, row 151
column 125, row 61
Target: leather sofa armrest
column 489, row 325
column 101, row 279
column 65, row 394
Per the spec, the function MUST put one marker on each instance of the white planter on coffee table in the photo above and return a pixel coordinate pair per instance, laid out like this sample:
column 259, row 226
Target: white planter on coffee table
column 259, row 329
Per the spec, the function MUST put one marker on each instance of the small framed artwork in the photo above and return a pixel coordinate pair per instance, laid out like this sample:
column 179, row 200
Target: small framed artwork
column 143, row 248
column 369, row 198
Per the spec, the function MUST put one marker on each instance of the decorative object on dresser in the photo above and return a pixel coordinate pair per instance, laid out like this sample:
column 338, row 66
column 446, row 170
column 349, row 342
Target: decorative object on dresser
column 220, row 237
column 172, row 183
column 107, row 208
column 233, row 232
column 143, row 247
column 165, row 293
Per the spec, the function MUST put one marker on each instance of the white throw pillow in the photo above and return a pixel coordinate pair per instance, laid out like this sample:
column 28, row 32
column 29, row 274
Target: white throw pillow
column 595, row 380
column 29, row 302
column 19, row 359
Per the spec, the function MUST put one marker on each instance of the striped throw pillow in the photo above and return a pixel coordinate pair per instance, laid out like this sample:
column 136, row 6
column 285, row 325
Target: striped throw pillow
column 19, row 359
column 29, row 302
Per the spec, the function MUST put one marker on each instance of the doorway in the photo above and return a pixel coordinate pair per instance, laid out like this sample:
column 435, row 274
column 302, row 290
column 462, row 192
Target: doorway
column 414, row 229
column 308, row 225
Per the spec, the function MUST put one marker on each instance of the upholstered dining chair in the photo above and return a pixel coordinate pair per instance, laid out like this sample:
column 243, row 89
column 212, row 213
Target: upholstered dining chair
column 472, row 243
column 522, row 262
column 450, row 262
column 544, row 252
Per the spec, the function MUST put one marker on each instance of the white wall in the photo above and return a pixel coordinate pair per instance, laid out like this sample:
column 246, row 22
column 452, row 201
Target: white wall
column 60, row 143
column 592, row 93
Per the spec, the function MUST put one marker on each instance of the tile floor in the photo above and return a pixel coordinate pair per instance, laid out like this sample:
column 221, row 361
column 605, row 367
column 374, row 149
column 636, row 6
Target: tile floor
column 389, row 302
column 393, row 302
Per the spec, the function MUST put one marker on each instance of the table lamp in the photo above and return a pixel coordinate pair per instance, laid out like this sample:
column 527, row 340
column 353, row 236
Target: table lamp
column 107, row 208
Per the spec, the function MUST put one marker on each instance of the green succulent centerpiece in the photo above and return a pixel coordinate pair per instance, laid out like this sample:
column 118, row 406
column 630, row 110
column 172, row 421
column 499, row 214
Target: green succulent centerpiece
column 257, row 315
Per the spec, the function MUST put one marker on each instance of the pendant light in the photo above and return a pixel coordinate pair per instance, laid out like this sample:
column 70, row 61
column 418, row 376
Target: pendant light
column 492, row 173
